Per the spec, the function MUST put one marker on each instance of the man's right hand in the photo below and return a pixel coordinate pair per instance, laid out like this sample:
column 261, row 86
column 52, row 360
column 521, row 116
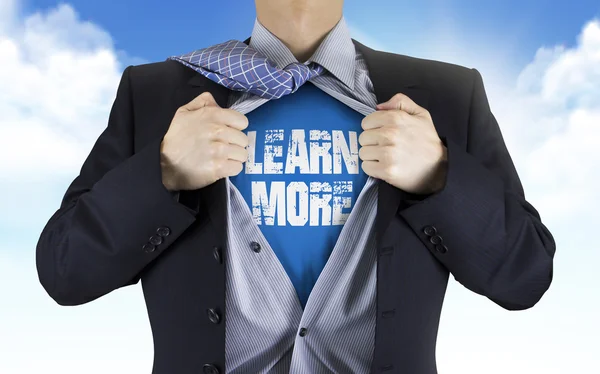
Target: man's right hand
column 204, row 143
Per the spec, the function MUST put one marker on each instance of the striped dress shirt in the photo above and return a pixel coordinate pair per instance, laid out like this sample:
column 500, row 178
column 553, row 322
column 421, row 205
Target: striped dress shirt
column 267, row 329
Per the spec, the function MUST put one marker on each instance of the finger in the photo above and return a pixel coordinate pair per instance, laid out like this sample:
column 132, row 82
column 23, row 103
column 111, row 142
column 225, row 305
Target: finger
column 230, row 168
column 384, row 118
column 236, row 153
column 369, row 137
column 200, row 101
column 370, row 153
column 223, row 116
column 380, row 136
column 229, row 135
column 231, row 118
column 372, row 169
column 402, row 102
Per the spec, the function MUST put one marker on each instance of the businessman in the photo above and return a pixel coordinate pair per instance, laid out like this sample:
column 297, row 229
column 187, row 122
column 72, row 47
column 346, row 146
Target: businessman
column 296, row 202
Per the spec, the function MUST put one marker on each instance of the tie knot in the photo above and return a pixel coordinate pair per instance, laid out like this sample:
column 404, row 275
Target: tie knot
column 301, row 73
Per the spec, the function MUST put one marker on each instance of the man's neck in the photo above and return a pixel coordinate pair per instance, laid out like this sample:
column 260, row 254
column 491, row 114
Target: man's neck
column 301, row 28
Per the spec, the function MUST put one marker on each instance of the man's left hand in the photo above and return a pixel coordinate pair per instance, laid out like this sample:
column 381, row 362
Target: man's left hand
column 400, row 145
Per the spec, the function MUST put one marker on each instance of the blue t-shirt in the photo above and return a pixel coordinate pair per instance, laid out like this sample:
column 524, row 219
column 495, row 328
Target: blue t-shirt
column 302, row 178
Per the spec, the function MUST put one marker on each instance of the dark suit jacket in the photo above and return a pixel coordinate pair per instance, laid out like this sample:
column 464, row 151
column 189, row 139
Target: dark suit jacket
column 118, row 224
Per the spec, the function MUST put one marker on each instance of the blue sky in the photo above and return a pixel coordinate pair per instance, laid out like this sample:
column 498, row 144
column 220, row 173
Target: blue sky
column 61, row 63
column 162, row 28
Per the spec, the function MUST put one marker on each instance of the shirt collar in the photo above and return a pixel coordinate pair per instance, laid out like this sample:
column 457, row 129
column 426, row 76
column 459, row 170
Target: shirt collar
column 336, row 53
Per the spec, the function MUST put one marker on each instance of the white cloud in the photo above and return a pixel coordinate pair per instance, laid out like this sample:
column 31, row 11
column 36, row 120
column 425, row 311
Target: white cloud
column 58, row 77
column 575, row 74
column 551, row 119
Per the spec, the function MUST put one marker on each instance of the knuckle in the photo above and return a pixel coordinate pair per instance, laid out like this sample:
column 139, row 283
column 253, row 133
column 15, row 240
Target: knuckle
column 245, row 140
column 205, row 95
column 208, row 111
column 212, row 167
column 217, row 131
column 211, row 131
column 215, row 151
column 390, row 134
column 399, row 97
column 219, row 149
column 220, row 168
column 392, row 117
column 388, row 155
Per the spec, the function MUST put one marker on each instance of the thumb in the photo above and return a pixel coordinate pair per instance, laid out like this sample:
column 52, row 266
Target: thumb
column 200, row 101
column 401, row 102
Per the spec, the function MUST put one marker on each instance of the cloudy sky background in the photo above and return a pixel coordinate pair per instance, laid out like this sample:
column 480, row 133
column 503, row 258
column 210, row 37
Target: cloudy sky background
column 59, row 68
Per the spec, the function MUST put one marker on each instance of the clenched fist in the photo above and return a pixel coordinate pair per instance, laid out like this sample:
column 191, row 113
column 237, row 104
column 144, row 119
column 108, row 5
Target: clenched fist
column 400, row 145
column 204, row 143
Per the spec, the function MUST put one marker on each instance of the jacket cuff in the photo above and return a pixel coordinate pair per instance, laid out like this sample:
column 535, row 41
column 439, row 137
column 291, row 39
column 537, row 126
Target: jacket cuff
column 456, row 222
column 134, row 192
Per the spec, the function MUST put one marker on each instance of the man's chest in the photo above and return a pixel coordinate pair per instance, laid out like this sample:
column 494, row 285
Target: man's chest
column 303, row 166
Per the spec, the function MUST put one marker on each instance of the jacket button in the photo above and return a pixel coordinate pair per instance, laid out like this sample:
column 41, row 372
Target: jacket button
column 441, row 248
column 217, row 254
column 149, row 247
column 155, row 240
column 255, row 246
column 436, row 239
column 213, row 316
column 210, row 369
column 429, row 230
column 163, row 231
column 302, row 332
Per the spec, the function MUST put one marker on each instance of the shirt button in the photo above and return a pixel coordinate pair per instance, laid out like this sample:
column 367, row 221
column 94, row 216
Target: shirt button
column 213, row 316
column 155, row 240
column 210, row 369
column 302, row 331
column 436, row 239
column 163, row 231
column 149, row 247
column 255, row 246
column 429, row 230
column 217, row 254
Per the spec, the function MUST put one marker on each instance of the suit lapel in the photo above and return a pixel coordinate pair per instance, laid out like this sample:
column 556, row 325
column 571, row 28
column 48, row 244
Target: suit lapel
column 389, row 76
column 212, row 198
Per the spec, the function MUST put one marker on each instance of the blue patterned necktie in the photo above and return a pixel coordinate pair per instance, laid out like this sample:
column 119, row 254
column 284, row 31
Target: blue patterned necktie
column 239, row 67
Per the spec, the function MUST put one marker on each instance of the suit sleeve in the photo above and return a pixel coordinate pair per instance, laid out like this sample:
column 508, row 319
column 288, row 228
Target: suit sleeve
column 479, row 226
column 99, row 238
